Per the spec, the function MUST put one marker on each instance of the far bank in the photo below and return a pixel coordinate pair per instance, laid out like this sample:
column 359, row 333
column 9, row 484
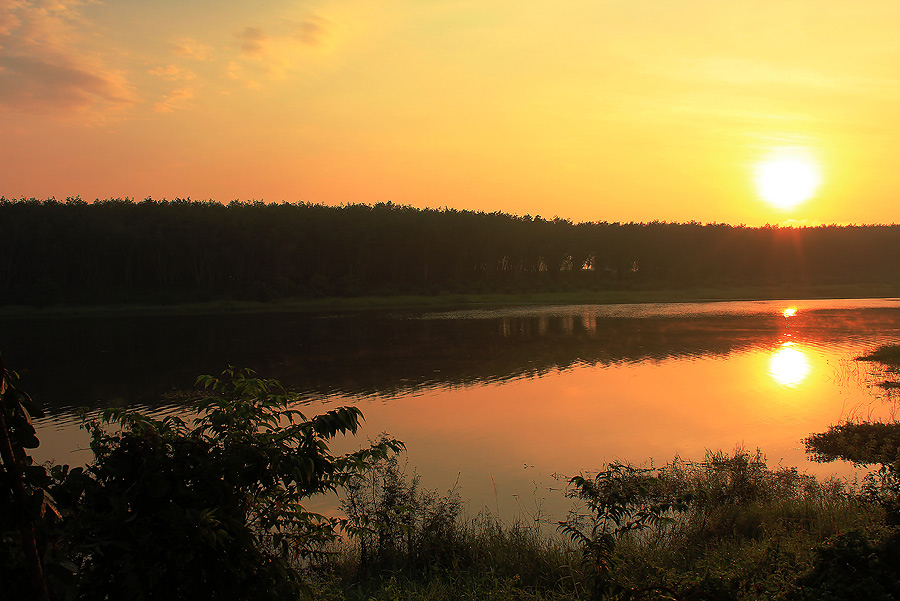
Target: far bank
column 456, row 301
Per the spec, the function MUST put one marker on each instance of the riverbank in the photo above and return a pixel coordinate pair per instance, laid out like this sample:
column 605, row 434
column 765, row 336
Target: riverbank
column 458, row 301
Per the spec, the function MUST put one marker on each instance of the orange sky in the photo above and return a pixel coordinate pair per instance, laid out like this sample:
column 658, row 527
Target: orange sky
column 626, row 110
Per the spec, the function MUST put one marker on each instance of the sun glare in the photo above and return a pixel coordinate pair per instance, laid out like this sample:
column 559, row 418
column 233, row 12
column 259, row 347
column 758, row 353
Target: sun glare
column 786, row 178
column 789, row 366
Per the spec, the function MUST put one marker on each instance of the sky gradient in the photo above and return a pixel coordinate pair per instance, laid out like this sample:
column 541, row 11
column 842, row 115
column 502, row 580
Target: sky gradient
column 631, row 110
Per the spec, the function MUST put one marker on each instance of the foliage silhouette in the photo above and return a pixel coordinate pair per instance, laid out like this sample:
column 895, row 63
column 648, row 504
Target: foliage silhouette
column 858, row 564
column 119, row 250
column 868, row 443
column 405, row 536
column 212, row 508
column 621, row 499
column 887, row 355
column 24, row 499
column 853, row 566
column 398, row 524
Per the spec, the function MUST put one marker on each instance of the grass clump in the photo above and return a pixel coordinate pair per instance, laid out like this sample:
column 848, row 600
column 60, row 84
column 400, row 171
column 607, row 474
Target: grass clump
column 743, row 531
column 862, row 443
column 888, row 354
column 408, row 542
column 887, row 360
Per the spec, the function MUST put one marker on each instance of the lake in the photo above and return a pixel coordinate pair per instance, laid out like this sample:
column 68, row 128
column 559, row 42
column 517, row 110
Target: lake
column 496, row 401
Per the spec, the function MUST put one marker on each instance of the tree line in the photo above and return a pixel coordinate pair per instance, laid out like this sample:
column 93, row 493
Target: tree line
column 120, row 250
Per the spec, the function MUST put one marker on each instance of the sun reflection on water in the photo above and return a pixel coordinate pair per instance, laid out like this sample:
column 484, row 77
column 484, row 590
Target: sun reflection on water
column 789, row 365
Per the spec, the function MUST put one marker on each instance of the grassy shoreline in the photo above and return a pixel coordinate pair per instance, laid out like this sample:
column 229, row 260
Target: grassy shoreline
column 457, row 301
column 748, row 531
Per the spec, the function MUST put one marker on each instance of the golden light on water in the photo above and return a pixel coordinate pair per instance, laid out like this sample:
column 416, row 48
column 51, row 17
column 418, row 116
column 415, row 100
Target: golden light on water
column 789, row 365
column 789, row 312
column 787, row 177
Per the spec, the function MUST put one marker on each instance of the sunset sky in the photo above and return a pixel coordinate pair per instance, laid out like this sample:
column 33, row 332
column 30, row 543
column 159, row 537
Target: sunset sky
column 592, row 110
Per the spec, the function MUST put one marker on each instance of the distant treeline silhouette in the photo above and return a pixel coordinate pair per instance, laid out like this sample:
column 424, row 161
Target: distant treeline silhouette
column 156, row 250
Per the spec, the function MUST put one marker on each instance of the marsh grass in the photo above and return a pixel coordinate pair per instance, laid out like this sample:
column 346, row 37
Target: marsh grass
column 412, row 543
column 496, row 561
column 750, row 533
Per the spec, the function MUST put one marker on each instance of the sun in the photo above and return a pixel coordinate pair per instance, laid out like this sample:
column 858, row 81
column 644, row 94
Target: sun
column 787, row 177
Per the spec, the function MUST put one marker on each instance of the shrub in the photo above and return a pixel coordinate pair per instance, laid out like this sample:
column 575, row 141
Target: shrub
column 397, row 523
column 409, row 542
column 620, row 500
column 211, row 508
column 866, row 443
column 854, row 566
column 24, row 500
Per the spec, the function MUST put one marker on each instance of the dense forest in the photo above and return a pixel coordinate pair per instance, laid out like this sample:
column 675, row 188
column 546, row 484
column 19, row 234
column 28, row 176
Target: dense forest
column 156, row 250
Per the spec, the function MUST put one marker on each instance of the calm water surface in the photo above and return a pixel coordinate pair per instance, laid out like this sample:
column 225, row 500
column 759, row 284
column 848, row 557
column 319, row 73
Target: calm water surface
column 497, row 400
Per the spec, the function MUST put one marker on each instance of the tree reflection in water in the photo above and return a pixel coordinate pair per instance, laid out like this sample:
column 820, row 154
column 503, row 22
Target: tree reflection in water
column 479, row 393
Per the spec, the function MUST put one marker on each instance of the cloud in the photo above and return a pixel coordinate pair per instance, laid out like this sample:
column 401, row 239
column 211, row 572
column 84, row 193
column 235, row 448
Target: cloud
column 191, row 48
column 236, row 72
column 44, row 67
column 8, row 19
column 312, row 31
column 178, row 99
column 175, row 100
column 252, row 40
column 38, row 83
column 54, row 83
column 173, row 73
column 285, row 49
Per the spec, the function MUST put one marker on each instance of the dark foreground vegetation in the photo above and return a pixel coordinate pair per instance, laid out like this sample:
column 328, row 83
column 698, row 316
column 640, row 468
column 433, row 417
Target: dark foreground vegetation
column 213, row 506
column 152, row 251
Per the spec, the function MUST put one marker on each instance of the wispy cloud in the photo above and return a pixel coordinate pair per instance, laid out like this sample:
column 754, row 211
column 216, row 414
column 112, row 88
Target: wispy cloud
column 281, row 51
column 45, row 68
column 252, row 40
column 313, row 31
column 173, row 73
column 175, row 100
column 55, row 61
column 41, row 83
column 191, row 48
column 235, row 72
column 9, row 21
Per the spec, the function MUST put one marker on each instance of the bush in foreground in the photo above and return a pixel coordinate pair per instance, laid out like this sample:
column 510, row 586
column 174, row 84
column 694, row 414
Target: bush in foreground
column 211, row 507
